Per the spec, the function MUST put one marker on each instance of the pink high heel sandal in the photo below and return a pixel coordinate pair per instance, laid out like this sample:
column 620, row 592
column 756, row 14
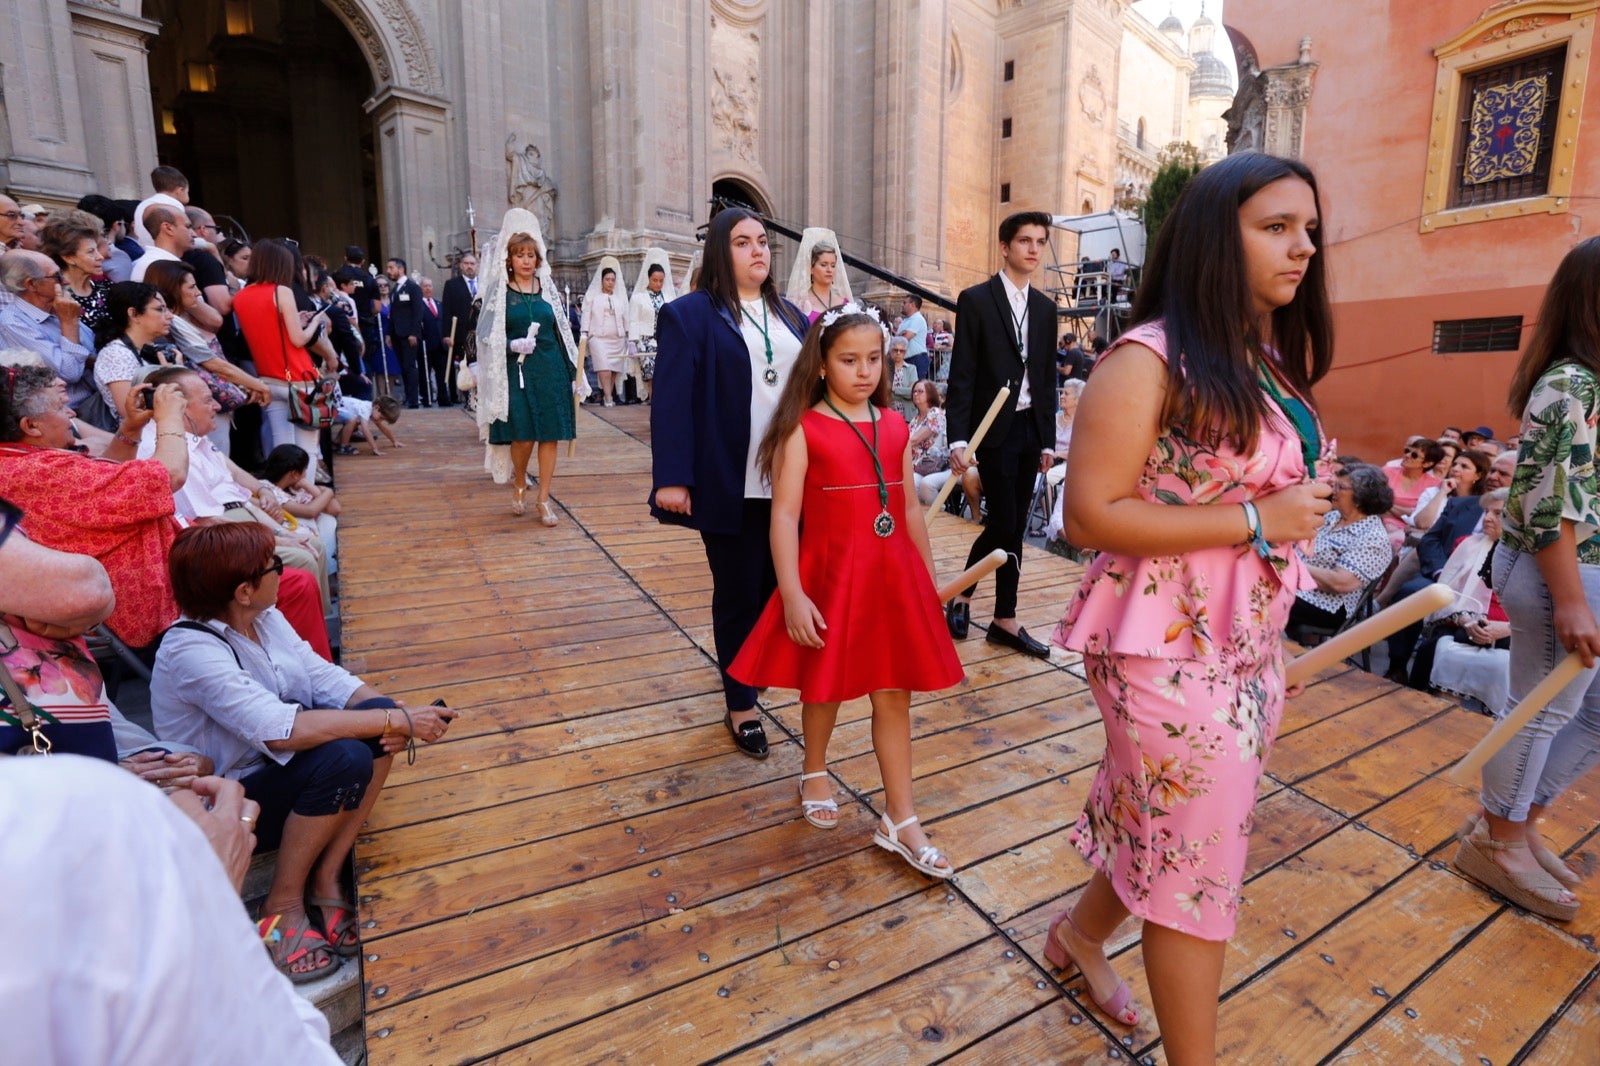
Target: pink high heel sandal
column 1116, row 1006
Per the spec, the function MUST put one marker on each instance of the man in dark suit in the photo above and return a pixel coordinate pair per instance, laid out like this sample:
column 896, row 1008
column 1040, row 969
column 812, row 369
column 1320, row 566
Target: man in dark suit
column 405, row 327
column 435, row 360
column 456, row 304
column 1005, row 336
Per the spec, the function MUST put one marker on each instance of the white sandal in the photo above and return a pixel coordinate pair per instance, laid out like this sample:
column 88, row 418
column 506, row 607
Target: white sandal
column 810, row 808
column 924, row 858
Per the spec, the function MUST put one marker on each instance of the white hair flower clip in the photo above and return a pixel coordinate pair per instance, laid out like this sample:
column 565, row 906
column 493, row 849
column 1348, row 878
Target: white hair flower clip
column 852, row 308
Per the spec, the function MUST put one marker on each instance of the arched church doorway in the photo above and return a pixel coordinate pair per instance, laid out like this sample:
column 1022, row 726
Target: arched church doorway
column 260, row 104
column 739, row 192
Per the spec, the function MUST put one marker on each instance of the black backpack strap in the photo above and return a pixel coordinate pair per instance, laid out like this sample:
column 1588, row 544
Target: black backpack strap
column 184, row 623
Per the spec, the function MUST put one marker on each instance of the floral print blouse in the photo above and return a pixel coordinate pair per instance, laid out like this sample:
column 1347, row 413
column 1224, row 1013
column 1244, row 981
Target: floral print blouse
column 1555, row 477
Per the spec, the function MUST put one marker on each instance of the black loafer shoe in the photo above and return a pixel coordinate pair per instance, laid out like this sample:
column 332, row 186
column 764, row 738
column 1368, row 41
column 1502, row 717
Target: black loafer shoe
column 748, row 737
column 1018, row 641
column 957, row 616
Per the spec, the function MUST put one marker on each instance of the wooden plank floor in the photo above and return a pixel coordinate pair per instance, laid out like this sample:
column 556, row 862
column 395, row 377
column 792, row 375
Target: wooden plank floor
column 586, row 871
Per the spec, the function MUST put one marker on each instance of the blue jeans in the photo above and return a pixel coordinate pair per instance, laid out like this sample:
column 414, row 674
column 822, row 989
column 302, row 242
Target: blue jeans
column 1562, row 741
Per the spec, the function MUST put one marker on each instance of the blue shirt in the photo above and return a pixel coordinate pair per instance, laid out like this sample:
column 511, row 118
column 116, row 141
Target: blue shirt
column 23, row 325
column 917, row 343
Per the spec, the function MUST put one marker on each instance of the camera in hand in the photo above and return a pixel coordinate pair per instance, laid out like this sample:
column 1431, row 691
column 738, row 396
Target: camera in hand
column 142, row 395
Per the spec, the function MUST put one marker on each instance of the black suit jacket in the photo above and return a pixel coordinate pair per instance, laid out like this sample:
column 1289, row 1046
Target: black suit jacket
column 432, row 336
column 1459, row 518
column 405, row 312
column 986, row 356
column 455, row 308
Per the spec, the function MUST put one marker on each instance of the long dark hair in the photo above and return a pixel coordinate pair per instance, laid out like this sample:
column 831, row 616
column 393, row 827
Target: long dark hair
column 716, row 272
column 1569, row 322
column 1196, row 282
column 805, row 387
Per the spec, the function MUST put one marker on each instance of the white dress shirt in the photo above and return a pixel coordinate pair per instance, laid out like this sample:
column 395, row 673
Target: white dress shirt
column 764, row 397
column 1019, row 323
column 210, row 486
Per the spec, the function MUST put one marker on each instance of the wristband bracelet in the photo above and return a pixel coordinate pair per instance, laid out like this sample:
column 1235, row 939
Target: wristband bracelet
column 1257, row 540
column 131, row 442
column 168, row 433
column 388, row 726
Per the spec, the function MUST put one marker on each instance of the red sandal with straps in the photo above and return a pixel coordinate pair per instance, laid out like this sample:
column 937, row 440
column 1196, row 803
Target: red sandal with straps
column 338, row 922
column 290, row 947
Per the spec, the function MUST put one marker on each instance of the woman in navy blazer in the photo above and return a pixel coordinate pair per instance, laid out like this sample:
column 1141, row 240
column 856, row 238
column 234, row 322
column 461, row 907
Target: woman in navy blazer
column 723, row 356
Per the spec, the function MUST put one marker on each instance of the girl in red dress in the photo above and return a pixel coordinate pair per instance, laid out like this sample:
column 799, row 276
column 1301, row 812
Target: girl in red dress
column 855, row 612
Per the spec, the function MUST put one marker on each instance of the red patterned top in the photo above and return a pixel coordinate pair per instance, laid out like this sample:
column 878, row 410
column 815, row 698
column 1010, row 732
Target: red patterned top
column 120, row 513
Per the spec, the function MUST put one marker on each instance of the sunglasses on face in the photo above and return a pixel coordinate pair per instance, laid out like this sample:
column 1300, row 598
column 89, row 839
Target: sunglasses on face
column 1415, row 453
column 274, row 567
column 10, row 515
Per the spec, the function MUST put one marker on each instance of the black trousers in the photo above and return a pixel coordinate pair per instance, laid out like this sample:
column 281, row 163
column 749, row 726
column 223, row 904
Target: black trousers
column 410, row 368
column 1007, row 470
column 742, row 581
column 438, row 368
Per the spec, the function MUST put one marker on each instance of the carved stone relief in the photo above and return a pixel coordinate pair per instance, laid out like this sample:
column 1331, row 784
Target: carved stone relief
column 1269, row 110
column 421, row 68
column 1092, row 96
column 735, row 90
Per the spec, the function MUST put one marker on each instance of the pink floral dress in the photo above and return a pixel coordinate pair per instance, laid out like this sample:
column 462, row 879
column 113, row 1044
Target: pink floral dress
column 1184, row 655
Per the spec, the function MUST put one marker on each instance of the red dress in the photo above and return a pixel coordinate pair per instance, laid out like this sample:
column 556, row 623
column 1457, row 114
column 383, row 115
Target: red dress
column 886, row 629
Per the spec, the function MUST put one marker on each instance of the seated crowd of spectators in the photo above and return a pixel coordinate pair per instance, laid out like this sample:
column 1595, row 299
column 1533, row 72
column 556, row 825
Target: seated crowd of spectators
column 1430, row 515
column 165, row 500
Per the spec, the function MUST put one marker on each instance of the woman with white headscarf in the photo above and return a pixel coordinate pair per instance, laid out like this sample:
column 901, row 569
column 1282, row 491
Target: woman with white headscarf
column 817, row 280
column 652, row 290
column 527, row 362
column 605, row 324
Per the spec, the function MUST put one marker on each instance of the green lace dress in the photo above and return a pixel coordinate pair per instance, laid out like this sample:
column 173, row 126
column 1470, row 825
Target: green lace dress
column 539, row 398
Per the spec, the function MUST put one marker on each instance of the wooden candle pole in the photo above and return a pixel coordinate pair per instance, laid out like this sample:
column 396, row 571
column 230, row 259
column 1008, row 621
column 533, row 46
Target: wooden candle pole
column 972, row 449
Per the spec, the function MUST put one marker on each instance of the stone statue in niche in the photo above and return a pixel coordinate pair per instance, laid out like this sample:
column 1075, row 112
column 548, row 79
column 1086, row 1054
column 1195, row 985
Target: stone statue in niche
column 529, row 185
column 1247, row 118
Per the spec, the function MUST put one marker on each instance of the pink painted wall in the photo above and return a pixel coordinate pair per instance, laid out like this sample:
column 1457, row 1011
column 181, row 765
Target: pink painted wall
column 1366, row 133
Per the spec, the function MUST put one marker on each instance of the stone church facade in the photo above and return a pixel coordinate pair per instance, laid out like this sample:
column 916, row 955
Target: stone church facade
column 908, row 126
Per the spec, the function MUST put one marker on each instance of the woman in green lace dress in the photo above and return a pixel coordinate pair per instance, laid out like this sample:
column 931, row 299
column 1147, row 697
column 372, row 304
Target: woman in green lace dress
column 540, row 374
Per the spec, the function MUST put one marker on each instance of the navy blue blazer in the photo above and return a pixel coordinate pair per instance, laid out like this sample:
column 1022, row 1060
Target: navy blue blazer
column 700, row 410
column 1459, row 518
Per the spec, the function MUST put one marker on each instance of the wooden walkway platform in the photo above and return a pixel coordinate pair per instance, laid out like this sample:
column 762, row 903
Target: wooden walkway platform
column 586, row 871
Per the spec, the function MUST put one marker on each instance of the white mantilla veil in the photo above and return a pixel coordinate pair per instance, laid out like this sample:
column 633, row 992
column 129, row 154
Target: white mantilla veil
column 686, row 286
column 655, row 257
column 620, row 292
column 493, row 386
column 800, row 271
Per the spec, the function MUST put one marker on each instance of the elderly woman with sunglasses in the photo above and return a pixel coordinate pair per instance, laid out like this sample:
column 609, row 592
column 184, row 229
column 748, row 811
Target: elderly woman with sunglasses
column 310, row 742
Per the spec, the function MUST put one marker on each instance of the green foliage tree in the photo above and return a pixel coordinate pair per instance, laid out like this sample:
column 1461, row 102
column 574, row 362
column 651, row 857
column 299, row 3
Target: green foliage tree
column 1179, row 162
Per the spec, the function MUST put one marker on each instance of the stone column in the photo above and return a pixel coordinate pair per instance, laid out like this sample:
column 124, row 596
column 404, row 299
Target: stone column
column 413, row 174
column 642, row 126
column 113, row 75
column 1287, row 91
column 909, row 157
column 48, row 158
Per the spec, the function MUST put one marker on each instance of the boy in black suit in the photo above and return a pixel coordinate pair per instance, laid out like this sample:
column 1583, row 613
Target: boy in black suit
column 1005, row 336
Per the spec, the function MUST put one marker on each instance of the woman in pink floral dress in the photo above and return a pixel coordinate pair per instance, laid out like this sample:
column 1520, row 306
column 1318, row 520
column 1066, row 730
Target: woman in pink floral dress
column 1197, row 494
